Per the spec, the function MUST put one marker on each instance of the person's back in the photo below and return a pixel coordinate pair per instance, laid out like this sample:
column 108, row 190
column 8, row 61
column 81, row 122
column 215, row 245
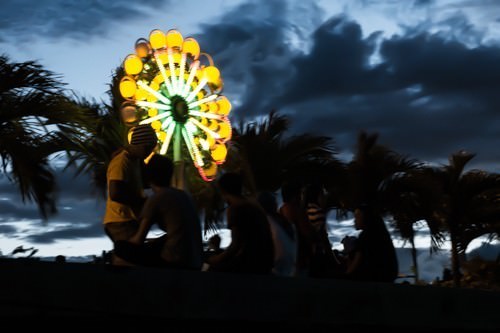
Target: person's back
column 251, row 248
column 295, row 214
column 174, row 212
column 283, row 234
column 374, row 255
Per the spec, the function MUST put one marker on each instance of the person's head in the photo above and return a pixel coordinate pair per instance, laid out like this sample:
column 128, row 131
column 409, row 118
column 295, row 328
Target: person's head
column 268, row 202
column 365, row 217
column 291, row 191
column 214, row 242
column 231, row 184
column 313, row 193
column 159, row 171
column 143, row 141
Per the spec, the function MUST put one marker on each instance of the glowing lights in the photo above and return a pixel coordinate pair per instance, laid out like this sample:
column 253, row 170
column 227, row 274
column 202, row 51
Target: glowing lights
column 167, row 86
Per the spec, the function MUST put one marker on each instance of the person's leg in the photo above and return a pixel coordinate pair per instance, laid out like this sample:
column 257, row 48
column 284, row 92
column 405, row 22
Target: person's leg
column 120, row 231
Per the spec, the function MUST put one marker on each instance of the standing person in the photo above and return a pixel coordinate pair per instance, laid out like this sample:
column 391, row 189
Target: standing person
column 125, row 187
column 284, row 236
column 295, row 213
column 174, row 212
column 251, row 248
column 374, row 257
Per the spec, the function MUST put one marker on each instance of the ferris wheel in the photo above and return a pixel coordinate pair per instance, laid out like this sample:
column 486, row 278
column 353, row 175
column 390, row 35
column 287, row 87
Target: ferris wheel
column 171, row 85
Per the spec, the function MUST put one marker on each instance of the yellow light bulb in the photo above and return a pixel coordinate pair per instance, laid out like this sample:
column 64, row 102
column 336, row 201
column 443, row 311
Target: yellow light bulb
column 191, row 47
column 212, row 74
column 133, row 64
column 142, row 48
column 224, row 106
column 219, row 153
column 213, row 107
column 177, row 58
column 128, row 113
column 210, row 169
column 224, row 130
column 127, row 87
column 156, row 125
column 174, row 39
column 152, row 112
column 157, row 39
column 140, row 94
column 162, row 136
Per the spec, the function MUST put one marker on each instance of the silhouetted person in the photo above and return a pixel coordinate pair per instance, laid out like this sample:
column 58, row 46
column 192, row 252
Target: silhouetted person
column 60, row 259
column 374, row 257
column 125, row 186
column 323, row 262
column 174, row 212
column 283, row 234
column 213, row 247
column 251, row 248
column 293, row 210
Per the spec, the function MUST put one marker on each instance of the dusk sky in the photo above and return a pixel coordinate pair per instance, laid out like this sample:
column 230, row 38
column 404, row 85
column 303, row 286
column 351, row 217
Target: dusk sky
column 424, row 74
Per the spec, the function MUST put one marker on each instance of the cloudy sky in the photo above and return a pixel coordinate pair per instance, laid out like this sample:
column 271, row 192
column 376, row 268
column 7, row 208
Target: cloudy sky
column 424, row 74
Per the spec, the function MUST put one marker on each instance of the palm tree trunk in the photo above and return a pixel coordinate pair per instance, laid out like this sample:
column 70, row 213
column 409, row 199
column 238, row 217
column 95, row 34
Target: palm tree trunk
column 455, row 259
column 414, row 258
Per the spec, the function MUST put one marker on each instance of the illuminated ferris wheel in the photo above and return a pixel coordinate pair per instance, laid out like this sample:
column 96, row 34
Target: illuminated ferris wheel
column 168, row 86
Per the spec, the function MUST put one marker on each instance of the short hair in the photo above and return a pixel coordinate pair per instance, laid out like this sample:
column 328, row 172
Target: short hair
column 231, row 183
column 143, row 135
column 159, row 170
column 291, row 190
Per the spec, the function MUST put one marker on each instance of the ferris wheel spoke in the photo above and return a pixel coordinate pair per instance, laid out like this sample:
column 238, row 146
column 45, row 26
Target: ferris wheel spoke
column 157, row 117
column 170, row 131
column 205, row 128
column 192, row 73
column 180, row 82
column 164, row 74
column 153, row 92
column 153, row 105
column 206, row 115
column 203, row 100
column 196, row 90
column 171, row 65
column 193, row 149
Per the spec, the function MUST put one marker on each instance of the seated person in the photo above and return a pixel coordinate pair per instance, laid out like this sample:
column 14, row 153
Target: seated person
column 174, row 212
column 251, row 248
column 373, row 256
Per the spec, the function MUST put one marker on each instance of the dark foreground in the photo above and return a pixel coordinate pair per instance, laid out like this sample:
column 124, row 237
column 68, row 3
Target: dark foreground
column 34, row 292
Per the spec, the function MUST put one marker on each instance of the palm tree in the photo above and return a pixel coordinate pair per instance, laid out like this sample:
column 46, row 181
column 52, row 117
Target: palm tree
column 37, row 120
column 370, row 178
column 268, row 158
column 104, row 135
column 371, row 166
column 411, row 197
column 469, row 205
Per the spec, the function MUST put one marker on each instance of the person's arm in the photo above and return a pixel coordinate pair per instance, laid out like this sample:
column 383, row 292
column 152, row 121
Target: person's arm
column 140, row 235
column 354, row 263
column 120, row 191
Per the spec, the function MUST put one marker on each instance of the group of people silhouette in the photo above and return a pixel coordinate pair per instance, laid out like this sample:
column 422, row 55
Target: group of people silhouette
column 290, row 240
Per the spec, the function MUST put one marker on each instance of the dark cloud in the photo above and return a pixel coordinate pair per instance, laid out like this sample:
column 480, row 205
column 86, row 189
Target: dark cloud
column 419, row 3
column 337, row 63
column 7, row 230
column 253, row 45
column 93, row 230
column 27, row 20
column 79, row 211
column 427, row 95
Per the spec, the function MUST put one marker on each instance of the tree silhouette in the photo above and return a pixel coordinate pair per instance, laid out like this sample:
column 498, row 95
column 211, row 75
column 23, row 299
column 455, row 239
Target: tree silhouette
column 37, row 120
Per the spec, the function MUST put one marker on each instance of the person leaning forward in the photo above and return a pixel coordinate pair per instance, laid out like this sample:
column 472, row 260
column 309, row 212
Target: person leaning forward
column 124, row 184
